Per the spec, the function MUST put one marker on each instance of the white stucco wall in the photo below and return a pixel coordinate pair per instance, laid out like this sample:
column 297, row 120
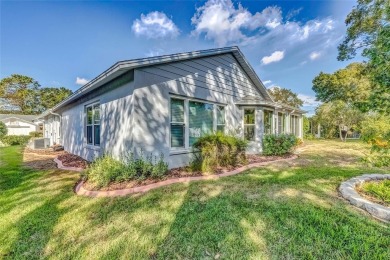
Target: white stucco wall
column 18, row 127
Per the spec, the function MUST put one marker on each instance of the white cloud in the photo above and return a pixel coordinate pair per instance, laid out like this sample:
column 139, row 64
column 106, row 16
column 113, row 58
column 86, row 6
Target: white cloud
column 266, row 82
column 155, row 25
column 315, row 55
column 309, row 100
column 222, row 22
column 81, row 81
column 274, row 57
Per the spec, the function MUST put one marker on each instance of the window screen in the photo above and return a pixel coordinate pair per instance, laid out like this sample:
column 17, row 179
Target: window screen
column 220, row 119
column 268, row 129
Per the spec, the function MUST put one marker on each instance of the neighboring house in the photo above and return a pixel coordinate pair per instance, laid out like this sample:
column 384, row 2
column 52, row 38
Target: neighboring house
column 164, row 104
column 20, row 124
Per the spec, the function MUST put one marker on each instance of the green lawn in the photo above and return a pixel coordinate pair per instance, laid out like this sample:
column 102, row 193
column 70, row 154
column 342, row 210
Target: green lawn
column 285, row 210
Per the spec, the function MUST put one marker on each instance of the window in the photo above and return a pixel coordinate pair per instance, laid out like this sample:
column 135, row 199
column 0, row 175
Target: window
column 220, row 119
column 268, row 129
column 281, row 123
column 191, row 119
column 93, row 124
column 200, row 120
column 249, row 124
column 177, row 123
column 294, row 125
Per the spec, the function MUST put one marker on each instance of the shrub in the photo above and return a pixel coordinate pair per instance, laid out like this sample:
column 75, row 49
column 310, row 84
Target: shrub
column 218, row 150
column 309, row 137
column 279, row 144
column 15, row 139
column 3, row 129
column 377, row 159
column 106, row 169
column 36, row 134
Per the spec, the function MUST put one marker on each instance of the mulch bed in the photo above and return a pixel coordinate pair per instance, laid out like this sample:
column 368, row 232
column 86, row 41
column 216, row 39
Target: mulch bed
column 71, row 160
column 46, row 151
column 182, row 172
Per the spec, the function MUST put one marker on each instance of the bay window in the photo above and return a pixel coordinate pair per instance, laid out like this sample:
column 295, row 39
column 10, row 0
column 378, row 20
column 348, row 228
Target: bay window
column 249, row 124
column 92, row 124
column 268, row 122
column 281, row 123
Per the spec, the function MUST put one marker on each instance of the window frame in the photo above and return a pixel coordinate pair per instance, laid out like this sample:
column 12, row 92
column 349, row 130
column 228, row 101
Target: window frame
column 93, row 124
column 244, row 124
column 217, row 109
column 284, row 119
column 187, row 147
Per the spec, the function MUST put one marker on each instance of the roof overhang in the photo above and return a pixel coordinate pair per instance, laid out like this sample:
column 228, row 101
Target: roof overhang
column 122, row 67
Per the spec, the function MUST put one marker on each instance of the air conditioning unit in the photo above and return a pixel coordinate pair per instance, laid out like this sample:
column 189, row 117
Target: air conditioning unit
column 40, row 143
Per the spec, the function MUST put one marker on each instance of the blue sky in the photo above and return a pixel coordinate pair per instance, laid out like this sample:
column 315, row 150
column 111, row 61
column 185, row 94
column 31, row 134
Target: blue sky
column 68, row 43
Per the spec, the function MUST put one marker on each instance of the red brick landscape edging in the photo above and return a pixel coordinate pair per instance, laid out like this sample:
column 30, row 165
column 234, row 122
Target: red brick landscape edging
column 80, row 190
column 61, row 166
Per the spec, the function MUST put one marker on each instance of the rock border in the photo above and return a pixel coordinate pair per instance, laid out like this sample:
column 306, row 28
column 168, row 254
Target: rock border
column 61, row 166
column 348, row 192
column 80, row 190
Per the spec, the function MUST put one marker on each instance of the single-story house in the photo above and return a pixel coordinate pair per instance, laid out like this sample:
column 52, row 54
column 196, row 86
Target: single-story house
column 20, row 124
column 162, row 105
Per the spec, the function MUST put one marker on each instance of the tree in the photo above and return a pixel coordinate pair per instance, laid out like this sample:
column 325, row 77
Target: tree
column 285, row 96
column 20, row 91
column 23, row 94
column 337, row 116
column 368, row 30
column 3, row 129
column 50, row 97
column 350, row 85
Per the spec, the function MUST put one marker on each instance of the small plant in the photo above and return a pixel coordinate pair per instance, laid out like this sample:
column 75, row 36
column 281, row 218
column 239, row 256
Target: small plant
column 218, row 150
column 3, row 129
column 160, row 168
column 279, row 144
column 15, row 139
column 36, row 134
column 377, row 189
column 104, row 170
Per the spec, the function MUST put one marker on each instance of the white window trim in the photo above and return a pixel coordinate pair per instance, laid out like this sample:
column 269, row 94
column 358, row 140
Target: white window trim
column 272, row 120
column 92, row 145
column 187, row 147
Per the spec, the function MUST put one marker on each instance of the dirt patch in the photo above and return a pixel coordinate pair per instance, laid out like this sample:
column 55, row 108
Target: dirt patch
column 71, row 160
column 40, row 158
column 180, row 173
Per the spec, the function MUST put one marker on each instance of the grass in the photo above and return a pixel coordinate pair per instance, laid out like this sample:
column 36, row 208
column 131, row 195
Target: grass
column 379, row 190
column 285, row 210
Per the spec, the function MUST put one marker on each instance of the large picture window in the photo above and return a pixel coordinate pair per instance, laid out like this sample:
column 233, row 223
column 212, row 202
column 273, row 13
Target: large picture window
column 249, row 124
column 93, row 124
column 268, row 122
column 177, row 123
column 191, row 119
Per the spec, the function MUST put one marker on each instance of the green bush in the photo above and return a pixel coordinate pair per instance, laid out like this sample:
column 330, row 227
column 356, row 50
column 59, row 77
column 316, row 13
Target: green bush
column 106, row 169
column 3, row 129
column 377, row 159
column 36, row 134
column 279, row 144
column 15, row 139
column 218, row 150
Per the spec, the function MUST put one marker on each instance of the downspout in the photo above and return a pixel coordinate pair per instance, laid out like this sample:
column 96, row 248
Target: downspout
column 59, row 128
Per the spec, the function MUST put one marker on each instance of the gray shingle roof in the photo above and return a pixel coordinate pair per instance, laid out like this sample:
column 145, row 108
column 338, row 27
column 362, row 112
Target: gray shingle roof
column 29, row 118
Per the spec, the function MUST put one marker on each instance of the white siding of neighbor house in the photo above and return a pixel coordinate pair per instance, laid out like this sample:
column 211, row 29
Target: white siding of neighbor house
column 18, row 127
